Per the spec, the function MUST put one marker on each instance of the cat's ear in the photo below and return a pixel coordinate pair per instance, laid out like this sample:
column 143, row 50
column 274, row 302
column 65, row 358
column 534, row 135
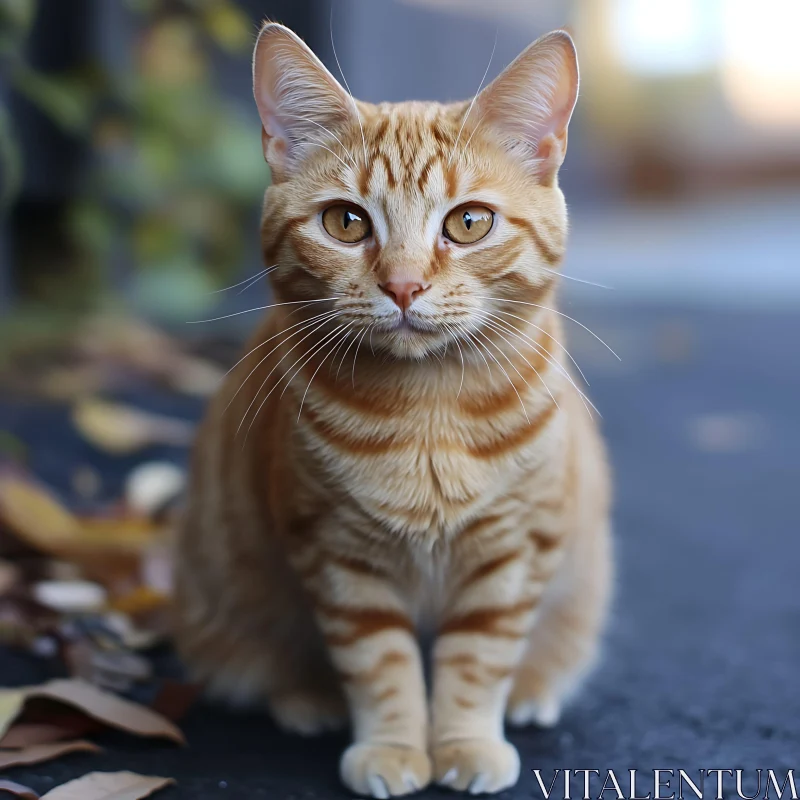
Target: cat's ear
column 297, row 97
column 530, row 103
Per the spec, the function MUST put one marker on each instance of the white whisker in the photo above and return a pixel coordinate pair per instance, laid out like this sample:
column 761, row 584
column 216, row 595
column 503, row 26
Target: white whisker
column 505, row 327
column 338, row 347
column 508, row 328
column 329, row 132
column 474, row 131
column 513, row 366
column 279, row 333
column 474, row 99
column 307, row 356
column 249, row 281
column 551, row 337
column 554, row 311
column 261, row 308
column 264, row 382
column 577, row 280
column 328, row 315
column 355, row 357
column 472, row 344
column 317, row 144
column 489, row 353
column 347, row 86
column 342, row 338
column 344, row 356
column 449, row 329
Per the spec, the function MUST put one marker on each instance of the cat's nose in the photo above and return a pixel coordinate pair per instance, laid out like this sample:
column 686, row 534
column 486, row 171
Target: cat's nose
column 404, row 293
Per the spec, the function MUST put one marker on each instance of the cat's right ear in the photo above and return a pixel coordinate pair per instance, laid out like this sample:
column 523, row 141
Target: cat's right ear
column 297, row 97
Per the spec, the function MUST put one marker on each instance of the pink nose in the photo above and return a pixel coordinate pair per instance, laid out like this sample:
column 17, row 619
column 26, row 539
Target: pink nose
column 404, row 293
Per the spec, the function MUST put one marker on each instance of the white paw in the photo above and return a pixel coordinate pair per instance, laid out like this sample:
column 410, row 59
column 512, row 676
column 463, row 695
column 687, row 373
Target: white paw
column 478, row 766
column 307, row 714
column 544, row 713
column 384, row 770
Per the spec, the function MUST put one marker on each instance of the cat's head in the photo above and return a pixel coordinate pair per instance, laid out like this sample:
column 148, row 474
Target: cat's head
column 405, row 219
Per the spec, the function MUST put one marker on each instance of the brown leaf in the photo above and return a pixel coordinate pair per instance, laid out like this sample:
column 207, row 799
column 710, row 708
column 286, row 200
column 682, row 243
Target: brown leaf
column 142, row 600
column 109, row 786
column 18, row 790
column 104, row 707
column 10, row 576
column 42, row 725
column 67, row 726
column 44, row 752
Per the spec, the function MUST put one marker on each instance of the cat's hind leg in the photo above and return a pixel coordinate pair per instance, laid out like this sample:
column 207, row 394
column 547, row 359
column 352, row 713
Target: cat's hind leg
column 564, row 642
column 254, row 643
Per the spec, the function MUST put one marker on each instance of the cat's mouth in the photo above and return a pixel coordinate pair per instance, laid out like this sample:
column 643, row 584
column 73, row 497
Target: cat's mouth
column 406, row 325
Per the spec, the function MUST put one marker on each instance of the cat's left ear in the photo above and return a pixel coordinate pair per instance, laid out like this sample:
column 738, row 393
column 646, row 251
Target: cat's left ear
column 529, row 105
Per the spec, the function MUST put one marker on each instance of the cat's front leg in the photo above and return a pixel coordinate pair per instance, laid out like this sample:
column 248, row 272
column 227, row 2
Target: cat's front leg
column 372, row 645
column 481, row 641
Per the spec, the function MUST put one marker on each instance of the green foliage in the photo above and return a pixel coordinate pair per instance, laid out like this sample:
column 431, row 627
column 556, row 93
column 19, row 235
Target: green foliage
column 176, row 166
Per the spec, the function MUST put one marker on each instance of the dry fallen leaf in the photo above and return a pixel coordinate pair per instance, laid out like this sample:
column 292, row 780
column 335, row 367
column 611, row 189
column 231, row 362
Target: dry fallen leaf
column 142, row 600
column 18, row 791
column 109, row 786
column 121, row 429
column 10, row 576
column 11, row 703
column 104, row 707
column 44, row 752
column 65, row 726
column 109, row 550
column 34, row 514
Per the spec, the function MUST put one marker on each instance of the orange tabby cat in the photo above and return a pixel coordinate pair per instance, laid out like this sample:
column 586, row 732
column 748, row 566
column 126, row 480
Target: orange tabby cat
column 403, row 446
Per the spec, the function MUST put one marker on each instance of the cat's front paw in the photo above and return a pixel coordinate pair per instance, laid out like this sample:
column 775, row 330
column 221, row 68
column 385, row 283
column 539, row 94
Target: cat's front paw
column 384, row 770
column 477, row 766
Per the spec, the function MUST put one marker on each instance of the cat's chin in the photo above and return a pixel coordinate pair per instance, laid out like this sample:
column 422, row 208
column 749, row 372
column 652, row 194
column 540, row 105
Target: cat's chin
column 410, row 343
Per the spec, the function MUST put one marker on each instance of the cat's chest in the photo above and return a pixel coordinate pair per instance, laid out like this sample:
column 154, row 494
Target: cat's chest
column 420, row 470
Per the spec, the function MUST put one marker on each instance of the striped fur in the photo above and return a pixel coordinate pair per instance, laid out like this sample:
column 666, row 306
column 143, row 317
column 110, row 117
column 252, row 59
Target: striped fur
column 354, row 484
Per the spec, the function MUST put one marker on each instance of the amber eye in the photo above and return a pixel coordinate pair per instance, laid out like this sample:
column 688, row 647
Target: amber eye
column 468, row 224
column 347, row 223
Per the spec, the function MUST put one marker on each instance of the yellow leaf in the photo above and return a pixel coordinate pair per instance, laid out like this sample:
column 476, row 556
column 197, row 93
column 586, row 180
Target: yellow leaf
column 11, row 703
column 121, row 429
column 141, row 600
column 37, row 518
column 35, row 515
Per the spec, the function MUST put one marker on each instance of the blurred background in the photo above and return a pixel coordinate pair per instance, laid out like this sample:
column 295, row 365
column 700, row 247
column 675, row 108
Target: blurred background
column 131, row 178
column 132, row 175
